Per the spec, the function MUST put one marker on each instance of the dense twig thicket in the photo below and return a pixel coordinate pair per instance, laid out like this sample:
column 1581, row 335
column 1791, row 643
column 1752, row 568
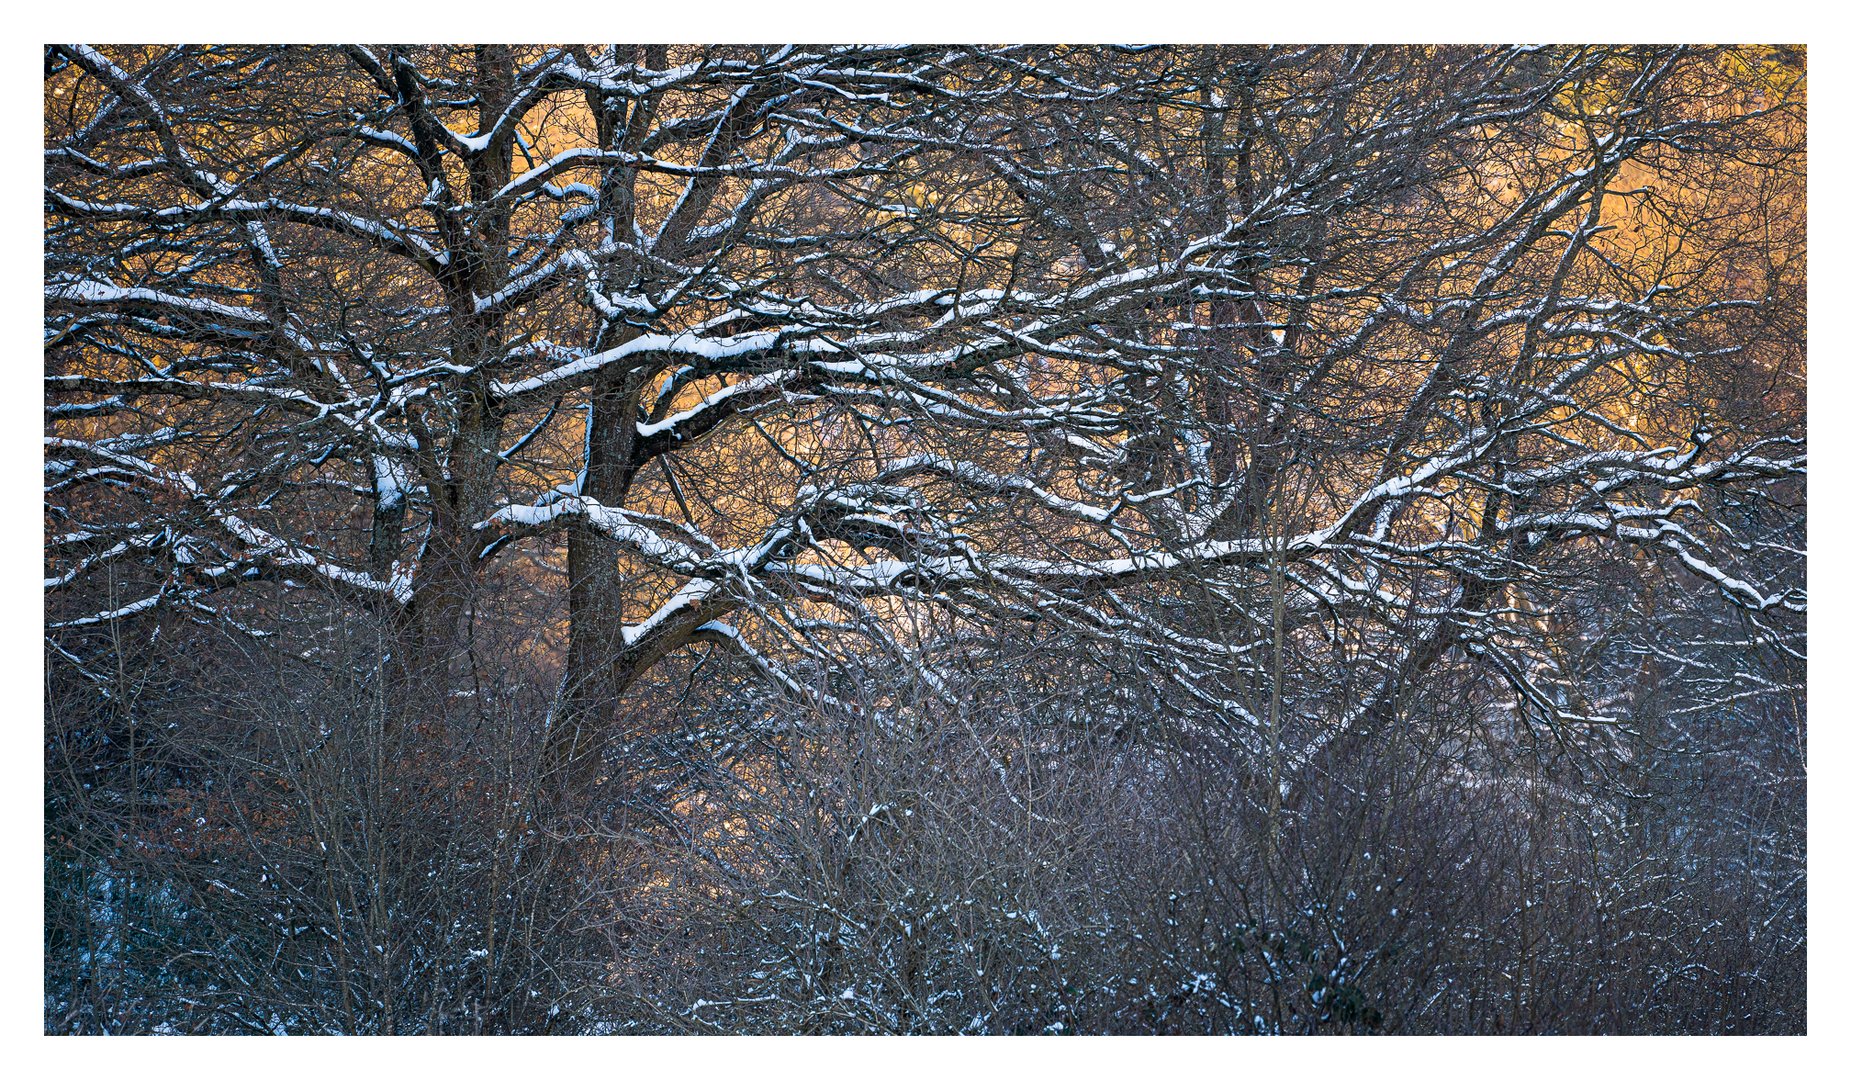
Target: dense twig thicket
column 925, row 539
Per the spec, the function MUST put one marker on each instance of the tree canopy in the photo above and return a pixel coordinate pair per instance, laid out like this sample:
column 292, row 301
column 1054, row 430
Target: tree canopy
column 651, row 474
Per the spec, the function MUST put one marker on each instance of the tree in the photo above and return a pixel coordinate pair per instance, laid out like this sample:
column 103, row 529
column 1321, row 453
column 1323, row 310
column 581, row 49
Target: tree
column 1293, row 392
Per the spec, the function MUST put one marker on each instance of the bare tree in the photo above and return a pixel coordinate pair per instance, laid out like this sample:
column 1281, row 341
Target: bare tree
column 1326, row 417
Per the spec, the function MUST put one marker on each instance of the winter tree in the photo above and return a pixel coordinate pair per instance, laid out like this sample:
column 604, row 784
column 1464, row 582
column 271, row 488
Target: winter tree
column 588, row 423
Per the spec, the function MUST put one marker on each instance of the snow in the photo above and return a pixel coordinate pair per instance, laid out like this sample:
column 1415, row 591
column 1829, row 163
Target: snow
column 686, row 344
column 391, row 483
